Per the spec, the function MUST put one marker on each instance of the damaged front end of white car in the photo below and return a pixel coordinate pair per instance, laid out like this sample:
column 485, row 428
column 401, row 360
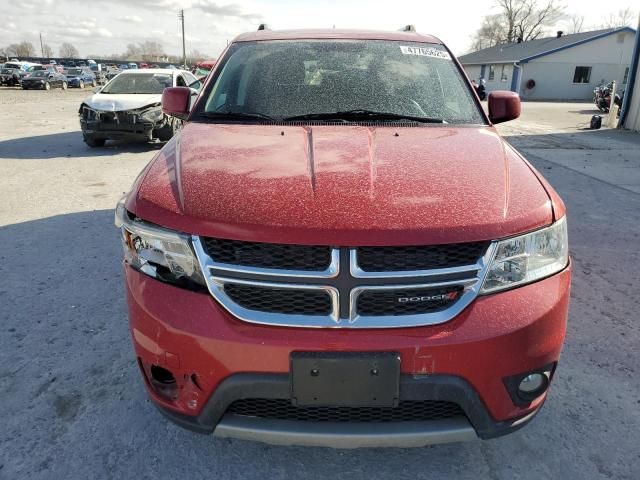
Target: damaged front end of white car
column 147, row 123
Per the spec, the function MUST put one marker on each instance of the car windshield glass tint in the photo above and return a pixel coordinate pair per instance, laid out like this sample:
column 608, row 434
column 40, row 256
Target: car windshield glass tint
column 138, row 83
column 74, row 71
column 40, row 73
column 284, row 79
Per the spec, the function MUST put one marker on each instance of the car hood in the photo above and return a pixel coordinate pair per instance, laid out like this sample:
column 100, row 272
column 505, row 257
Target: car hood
column 117, row 102
column 342, row 185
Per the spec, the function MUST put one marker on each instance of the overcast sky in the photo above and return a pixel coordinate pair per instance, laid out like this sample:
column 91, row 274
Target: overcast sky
column 107, row 26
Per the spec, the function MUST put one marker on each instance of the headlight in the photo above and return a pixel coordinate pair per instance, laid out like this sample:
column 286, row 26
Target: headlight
column 528, row 258
column 160, row 253
column 153, row 114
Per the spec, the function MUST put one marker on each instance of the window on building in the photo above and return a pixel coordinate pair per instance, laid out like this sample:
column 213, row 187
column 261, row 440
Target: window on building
column 626, row 75
column 582, row 75
column 503, row 74
column 492, row 72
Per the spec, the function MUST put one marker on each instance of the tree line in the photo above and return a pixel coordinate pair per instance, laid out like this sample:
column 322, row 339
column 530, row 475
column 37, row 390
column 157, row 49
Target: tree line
column 524, row 20
column 148, row 51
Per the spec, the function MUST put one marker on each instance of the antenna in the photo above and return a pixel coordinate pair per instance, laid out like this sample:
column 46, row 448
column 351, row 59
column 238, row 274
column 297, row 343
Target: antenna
column 408, row 28
column 263, row 26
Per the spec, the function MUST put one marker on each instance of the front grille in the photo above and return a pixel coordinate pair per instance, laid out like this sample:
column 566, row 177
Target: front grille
column 406, row 411
column 393, row 259
column 268, row 255
column 406, row 301
column 280, row 300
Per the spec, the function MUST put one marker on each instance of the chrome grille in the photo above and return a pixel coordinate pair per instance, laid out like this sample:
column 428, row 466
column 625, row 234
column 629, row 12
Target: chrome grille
column 312, row 286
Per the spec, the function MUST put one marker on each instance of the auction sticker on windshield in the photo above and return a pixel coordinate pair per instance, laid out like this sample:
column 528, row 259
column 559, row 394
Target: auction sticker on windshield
column 425, row 52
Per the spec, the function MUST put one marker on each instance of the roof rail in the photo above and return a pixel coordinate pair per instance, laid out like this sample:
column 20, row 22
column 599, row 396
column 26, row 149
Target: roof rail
column 408, row 28
column 263, row 26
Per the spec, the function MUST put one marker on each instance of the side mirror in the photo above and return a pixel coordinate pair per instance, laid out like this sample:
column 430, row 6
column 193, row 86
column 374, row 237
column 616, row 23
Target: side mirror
column 503, row 106
column 175, row 101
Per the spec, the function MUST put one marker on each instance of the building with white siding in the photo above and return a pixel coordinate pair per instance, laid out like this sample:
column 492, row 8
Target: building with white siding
column 564, row 67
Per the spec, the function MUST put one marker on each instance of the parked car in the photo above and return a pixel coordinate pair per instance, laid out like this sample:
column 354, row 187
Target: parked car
column 80, row 77
column 352, row 258
column 44, row 79
column 132, row 66
column 128, row 107
column 123, row 66
column 10, row 76
column 202, row 69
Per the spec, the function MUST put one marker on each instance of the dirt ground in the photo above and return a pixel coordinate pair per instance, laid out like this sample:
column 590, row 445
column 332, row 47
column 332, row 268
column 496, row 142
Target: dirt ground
column 72, row 404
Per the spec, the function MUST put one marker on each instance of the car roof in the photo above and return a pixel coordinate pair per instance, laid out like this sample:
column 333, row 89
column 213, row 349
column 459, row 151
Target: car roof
column 138, row 71
column 333, row 33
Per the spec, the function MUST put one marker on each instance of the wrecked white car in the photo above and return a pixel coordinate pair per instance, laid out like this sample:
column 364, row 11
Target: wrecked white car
column 128, row 107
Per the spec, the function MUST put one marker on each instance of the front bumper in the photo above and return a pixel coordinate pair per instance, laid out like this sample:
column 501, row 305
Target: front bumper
column 217, row 359
column 142, row 131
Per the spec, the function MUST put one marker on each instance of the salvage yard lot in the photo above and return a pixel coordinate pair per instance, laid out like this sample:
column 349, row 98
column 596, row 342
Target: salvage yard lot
column 72, row 404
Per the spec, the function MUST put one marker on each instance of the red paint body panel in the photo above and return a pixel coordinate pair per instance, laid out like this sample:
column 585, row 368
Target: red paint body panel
column 496, row 336
column 342, row 185
column 334, row 33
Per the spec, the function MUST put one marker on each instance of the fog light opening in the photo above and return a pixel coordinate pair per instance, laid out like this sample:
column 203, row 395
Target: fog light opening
column 533, row 385
column 163, row 382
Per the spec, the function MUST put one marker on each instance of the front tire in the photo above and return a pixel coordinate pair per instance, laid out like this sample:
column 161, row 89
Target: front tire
column 81, row 84
column 64, row 85
column 93, row 84
column 47, row 86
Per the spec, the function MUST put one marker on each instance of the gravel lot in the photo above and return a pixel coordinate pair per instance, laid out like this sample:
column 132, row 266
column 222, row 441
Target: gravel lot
column 72, row 404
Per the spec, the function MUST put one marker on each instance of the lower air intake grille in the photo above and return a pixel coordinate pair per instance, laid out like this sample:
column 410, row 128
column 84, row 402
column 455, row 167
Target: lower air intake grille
column 392, row 259
column 280, row 300
column 268, row 255
column 406, row 301
column 406, row 411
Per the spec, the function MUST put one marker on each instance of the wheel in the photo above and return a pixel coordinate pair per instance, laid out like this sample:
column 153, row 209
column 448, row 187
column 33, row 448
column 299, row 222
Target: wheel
column 94, row 142
column 81, row 84
column 47, row 86
column 169, row 130
column 64, row 85
column 93, row 83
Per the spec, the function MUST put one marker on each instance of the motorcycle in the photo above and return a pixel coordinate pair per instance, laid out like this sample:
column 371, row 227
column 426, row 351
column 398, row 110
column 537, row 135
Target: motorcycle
column 602, row 96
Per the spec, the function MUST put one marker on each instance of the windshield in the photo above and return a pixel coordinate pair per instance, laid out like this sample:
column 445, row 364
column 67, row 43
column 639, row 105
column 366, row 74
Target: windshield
column 282, row 79
column 139, row 83
column 74, row 71
column 40, row 73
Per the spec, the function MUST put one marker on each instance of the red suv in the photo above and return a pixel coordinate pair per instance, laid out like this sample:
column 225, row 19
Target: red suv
column 339, row 249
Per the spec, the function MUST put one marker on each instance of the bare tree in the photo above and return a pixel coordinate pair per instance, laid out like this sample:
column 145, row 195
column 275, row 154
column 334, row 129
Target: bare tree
column 195, row 56
column 47, row 51
column 575, row 23
column 22, row 49
column 518, row 20
column 527, row 19
column 622, row 18
column 491, row 32
column 67, row 50
column 151, row 51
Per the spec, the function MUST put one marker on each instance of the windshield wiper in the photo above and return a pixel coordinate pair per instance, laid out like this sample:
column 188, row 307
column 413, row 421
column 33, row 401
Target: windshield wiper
column 363, row 115
column 236, row 116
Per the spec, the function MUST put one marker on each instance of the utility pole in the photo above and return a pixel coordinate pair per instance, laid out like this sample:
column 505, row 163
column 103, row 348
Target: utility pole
column 184, row 49
column 41, row 46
